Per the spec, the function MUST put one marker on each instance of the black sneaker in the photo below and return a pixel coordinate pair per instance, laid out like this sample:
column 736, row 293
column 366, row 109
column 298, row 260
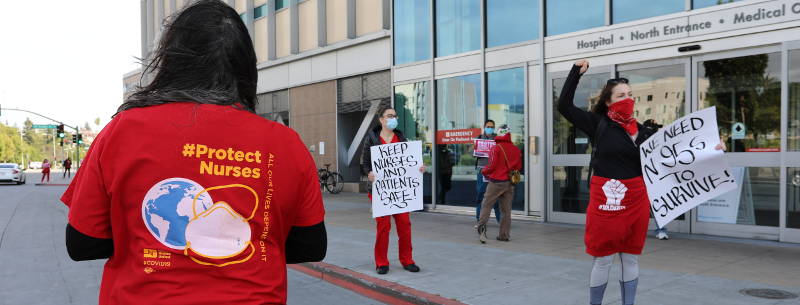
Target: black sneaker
column 502, row 239
column 482, row 233
column 383, row 269
column 411, row 267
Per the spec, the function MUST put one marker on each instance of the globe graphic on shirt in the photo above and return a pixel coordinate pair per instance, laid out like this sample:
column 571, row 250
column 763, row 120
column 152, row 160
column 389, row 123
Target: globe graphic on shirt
column 167, row 209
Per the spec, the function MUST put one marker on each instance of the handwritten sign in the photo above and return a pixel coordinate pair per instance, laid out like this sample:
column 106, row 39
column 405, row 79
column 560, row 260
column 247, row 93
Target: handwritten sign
column 398, row 181
column 483, row 147
column 681, row 168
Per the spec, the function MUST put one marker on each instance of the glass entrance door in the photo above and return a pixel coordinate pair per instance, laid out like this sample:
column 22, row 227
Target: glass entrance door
column 790, row 216
column 745, row 88
column 659, row 89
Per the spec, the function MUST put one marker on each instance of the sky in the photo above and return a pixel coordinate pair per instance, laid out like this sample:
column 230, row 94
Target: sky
column 66, row 59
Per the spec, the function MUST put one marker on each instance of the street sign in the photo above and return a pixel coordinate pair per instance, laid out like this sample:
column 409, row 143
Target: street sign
column 738, row 131
column 44, row 126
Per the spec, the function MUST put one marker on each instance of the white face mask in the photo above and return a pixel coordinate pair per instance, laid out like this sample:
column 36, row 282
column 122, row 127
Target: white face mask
column 220, row 232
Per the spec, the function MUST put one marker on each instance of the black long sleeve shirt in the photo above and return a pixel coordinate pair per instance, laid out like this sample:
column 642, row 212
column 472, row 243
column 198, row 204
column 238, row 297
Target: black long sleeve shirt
column 617, row 154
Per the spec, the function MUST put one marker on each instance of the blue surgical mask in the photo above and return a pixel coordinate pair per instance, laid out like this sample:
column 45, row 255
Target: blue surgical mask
column 391, row 123
column 488, row 130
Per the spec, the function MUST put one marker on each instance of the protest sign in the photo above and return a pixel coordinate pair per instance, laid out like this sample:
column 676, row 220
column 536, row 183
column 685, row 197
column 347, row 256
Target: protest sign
column 483, row 147
column 681, row 168
column 398, row 182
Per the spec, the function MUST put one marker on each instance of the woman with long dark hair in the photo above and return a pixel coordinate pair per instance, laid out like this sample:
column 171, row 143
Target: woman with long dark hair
column 385, row 133
column 619, row 209
column 193, row 197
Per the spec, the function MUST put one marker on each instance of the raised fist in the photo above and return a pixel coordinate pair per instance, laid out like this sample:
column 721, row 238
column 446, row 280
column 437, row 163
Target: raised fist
column 584, row 64
column 615, row 191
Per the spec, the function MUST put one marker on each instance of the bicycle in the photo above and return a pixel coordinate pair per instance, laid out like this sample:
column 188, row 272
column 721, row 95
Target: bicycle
column 329, row 180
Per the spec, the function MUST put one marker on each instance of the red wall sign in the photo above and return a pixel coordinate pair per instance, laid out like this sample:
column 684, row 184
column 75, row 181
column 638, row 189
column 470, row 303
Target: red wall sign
column 762, row 149
column 457, row 136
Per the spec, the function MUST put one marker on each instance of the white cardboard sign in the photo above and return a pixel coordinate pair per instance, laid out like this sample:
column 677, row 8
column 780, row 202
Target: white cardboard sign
column 681, row 168
column 398, row 181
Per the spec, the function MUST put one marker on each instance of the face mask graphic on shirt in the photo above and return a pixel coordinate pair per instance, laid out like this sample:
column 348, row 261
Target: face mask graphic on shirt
column 220, row 232
column 181, row 214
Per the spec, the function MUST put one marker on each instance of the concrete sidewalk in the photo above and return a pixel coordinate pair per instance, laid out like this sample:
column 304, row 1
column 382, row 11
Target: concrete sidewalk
column 546, row 263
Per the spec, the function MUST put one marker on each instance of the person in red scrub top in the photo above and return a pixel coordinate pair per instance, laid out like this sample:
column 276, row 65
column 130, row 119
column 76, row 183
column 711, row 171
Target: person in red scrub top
column 192, row 197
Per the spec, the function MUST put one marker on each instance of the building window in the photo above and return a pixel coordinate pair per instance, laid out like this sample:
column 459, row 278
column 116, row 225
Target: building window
column 259, row 11
column 793, row 140
column 505, row 104
column 279, row 4
column 570, row 191
column 458, row 107
column 274, row 106
column 413, row 104
column 747, row 92
column 793, row 197
column 458, row 26
column 519, row 15
column 629, row 10
column 707, row 3
column 574, row 15
column 649, row 97
column 412, row 31
column 754, row 201
column 567, row 139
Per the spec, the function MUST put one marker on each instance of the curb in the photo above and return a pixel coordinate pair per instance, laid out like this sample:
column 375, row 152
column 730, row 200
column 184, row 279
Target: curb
column 375, row 288
column 50, row 184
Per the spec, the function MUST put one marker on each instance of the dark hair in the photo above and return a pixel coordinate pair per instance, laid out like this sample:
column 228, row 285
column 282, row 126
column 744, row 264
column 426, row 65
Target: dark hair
column 600, row 106
column 204, row 56
column 383, row 109
column 488, row 121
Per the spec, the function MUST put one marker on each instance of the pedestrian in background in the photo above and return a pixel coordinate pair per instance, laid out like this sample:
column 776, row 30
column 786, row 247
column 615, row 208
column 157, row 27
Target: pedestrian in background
column 385, row 133
column 480, row 180
column 67, row 167
column 177, row 228
column 46, row 170
column 502, row 171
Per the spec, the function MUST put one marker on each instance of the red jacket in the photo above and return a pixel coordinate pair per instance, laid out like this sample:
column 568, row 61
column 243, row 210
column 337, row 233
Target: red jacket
column 497, row 170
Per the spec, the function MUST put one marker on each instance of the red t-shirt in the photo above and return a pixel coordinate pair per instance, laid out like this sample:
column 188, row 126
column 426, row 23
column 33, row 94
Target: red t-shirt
column 199, row 200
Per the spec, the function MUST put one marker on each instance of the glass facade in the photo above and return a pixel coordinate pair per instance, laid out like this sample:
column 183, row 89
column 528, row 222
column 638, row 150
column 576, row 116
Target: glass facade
column 566, row 138
column 793, row 197
column 511, row 21
column 574, row 15
column 412, row 31
column 570, row 189
column 754, row 202
column 747, row 93
column 707, row 3
column 659, row 92
column 413, row 104
column 793, row 132
column 458, row 26
column 458, row 107
column 629, row 10
column 505, row 99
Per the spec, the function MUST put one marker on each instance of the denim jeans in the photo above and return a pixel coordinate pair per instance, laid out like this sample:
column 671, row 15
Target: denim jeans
column 481, row 190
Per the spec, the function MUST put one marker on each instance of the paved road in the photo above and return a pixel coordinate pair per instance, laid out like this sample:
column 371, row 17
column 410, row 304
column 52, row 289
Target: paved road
column 35, row 268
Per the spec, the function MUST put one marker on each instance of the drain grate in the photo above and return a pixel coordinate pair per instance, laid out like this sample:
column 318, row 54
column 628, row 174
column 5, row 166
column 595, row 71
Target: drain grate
column 773, row 294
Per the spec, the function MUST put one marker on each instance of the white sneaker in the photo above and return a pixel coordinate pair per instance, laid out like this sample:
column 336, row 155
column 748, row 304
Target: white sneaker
column 662, row 236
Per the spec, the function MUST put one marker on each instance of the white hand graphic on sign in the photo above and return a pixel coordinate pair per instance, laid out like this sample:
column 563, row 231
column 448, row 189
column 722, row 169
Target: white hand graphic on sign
column 615, row 191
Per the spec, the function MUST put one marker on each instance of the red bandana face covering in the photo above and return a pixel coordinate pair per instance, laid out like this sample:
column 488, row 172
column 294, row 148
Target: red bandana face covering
column 622, row 113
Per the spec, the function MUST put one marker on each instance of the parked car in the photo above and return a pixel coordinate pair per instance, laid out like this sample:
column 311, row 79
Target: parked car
column 35, row 165
column 11, row 172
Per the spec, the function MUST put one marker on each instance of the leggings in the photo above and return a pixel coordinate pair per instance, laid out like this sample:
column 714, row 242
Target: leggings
column 602, row 268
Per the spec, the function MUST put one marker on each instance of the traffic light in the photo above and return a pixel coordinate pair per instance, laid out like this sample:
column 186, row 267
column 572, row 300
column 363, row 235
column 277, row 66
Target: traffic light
column 80, row 139
column 74, row 138
column 60, row 131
